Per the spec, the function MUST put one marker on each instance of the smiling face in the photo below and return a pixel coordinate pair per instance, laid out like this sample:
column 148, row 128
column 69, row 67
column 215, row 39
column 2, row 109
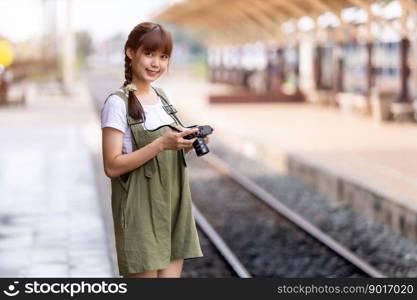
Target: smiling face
column 148, row 65
column 147, row 49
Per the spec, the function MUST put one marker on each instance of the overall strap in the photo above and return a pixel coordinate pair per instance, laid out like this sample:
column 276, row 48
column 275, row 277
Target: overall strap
column 150, row 166
column 168, row 107
column 130, row 121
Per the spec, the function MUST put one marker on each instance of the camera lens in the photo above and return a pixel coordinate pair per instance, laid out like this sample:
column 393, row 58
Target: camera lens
column 200, row 147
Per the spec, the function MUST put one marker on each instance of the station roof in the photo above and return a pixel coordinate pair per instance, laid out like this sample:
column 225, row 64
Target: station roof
column 243, row 21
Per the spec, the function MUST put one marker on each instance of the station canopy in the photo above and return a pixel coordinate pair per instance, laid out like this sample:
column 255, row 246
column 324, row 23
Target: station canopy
column 221, row 22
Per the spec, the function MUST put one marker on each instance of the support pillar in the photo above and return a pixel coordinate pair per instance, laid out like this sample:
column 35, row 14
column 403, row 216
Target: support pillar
column 402, row 108
column 69, row 52
column 281, row 68
column 317, row 67
column 297, row 69
column 404, row 95
column 338, row 84
column 370, row 75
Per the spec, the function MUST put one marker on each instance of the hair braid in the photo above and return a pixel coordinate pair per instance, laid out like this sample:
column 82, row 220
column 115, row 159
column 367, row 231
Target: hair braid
column 135, row 108
column 128, row 71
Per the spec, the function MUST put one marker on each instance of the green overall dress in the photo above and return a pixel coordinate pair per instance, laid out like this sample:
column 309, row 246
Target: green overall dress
column 152, row 213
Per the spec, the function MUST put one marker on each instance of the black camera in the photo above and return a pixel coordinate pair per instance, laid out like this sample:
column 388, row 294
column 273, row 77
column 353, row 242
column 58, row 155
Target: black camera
column 199, row 144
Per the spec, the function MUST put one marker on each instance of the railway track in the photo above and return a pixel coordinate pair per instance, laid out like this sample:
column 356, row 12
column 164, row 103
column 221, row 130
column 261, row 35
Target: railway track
column 231, row 260
column 360, row 266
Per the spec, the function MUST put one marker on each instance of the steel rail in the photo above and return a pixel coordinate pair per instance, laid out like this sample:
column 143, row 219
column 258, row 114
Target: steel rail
column 220, row 244
column 290, row 215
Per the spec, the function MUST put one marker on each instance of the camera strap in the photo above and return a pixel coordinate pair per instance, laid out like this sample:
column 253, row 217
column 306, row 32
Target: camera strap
column 168, row 107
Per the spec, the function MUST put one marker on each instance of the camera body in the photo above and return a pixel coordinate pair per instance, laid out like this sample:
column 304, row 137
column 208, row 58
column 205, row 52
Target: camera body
column 199, row 145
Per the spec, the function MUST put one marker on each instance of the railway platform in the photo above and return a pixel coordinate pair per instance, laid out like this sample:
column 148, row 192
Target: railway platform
column 354, row 161
column 51, row 222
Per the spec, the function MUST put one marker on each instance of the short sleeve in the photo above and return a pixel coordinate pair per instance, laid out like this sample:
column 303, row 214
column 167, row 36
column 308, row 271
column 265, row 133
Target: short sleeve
column 113, row 114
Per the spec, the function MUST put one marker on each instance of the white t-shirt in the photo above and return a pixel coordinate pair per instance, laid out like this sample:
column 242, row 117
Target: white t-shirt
column 113, row 114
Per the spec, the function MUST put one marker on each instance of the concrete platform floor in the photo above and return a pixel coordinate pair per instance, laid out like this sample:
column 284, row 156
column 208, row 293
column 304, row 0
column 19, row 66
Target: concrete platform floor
column 51, row 221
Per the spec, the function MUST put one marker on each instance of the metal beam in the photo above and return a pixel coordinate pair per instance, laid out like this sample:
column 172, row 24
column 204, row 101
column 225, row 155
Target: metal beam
column 222, row 23
column 289, row 5
column 265, row 23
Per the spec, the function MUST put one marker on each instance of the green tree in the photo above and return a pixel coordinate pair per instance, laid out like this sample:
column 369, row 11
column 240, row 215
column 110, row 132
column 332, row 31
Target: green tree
column 84, row 45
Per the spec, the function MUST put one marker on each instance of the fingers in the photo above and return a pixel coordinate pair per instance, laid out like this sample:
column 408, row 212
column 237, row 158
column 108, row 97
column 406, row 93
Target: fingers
column 187, row 132
column 178, row 141
column 186, row 143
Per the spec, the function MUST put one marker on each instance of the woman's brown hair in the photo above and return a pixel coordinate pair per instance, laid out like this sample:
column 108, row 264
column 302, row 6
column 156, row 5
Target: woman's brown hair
column 151, row 37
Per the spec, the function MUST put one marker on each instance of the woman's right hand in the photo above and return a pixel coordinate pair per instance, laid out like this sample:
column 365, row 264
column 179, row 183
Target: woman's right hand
column 173, row 140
